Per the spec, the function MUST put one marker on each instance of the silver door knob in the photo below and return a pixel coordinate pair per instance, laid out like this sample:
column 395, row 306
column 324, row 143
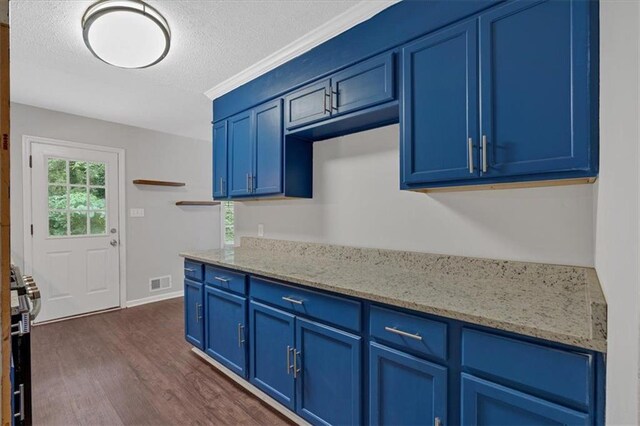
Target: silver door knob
column 114, row 243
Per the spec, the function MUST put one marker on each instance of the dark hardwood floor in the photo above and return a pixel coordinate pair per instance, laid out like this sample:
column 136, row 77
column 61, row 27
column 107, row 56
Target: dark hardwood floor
column 133, row 367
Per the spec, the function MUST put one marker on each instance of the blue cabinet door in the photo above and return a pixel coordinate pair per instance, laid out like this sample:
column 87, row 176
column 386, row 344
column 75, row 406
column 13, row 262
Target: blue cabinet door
column 267, row 165
column 220, row 160
column 240, row 149
column 329, row 376
column 225, row 331
column 363, row 85
column 308, row 105
column 534, row 61
column 193, row 323
column 404, row 389
column 487, row 403
column 271, row 352
column 439, row 110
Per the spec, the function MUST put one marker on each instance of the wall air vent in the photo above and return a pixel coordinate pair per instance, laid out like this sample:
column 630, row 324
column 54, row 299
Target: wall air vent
column 160, row 283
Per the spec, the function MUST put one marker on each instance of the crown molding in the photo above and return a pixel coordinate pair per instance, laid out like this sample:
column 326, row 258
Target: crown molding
column 341, row 23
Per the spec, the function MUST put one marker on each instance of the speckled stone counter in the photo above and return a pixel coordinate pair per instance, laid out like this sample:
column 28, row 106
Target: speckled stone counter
column 563, row 304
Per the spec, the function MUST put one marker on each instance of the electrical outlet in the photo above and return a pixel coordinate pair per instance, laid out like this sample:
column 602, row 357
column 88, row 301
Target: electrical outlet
column 136, row 213
column 260, row 230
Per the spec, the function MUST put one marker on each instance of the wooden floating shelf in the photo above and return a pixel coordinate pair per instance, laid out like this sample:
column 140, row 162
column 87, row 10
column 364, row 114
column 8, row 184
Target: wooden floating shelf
column 197, row 203
column 157, row 182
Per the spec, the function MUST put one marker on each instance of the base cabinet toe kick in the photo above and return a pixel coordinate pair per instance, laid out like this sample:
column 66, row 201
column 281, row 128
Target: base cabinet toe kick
column 338, row 360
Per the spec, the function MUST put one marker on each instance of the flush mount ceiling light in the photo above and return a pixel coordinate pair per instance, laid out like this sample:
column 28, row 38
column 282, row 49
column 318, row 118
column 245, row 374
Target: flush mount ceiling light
column 126, row 33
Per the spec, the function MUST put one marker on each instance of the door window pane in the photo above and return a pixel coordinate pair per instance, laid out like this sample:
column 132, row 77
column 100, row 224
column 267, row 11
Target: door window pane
column 77, row 197
column 78, row 172
column 57, row 223
column 78, row 223
column 98, row 223
column 57, row 170
column 97, row 198
column 58, row 197
column 96, row 174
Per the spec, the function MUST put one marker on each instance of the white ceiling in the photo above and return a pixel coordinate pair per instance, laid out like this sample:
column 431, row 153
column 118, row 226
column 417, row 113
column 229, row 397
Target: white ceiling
column 211, row 42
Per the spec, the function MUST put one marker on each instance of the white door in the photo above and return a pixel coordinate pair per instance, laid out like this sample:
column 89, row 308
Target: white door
column 75, row 244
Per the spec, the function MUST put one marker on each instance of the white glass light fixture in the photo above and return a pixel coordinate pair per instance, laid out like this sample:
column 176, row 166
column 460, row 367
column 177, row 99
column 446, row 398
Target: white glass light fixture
column 126, row 33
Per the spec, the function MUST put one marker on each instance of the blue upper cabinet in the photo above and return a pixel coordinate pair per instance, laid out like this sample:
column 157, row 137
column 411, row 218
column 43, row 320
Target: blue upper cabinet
column 308, row 105
column 360, row 86
column 240, row 148
column 329, row 385
column 487, row 403
column 193, row 313
column 363, row 85
column 527, row 115
column 439, row 112
column 225, row 329
column 404, row 389
column 534, row 59
column 267, row 164
column 220, row 160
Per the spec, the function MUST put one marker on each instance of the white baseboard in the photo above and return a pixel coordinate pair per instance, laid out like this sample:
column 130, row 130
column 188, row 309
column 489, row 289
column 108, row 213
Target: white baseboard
column 152, row 299
column 254, row 390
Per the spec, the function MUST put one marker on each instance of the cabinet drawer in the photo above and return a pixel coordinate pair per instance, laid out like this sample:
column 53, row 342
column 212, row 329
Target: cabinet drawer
column 533, row 368
column 193, row 270
column 331, row 309
column 225, row 279
column 409, row 331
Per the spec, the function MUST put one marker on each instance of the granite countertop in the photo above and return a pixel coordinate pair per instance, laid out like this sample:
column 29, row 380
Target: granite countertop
column 563, row 304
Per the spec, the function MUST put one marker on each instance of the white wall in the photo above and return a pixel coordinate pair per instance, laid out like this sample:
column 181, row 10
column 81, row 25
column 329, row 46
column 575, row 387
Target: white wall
column 616, row 251
column 357, row 202
column 153, row 242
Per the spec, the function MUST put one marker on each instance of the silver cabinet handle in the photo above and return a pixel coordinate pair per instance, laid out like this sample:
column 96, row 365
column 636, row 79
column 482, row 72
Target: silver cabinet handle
column 289, row 299
column 248, row 187
column 20, row 391
column 253, row 183
column 334, row 100
column 189, row 269
column 470, row 147
column 403, row 333
column 222, row 280
column 198, row 314
column 289, row 366
column 326, row 95
column 240, row 335
column 484, row 153
column 296, row 370
column 437, row 422
column 222, row 186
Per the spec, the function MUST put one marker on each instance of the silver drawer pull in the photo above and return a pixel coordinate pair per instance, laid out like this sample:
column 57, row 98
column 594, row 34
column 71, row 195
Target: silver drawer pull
column 223, row 280
column 437, row 422
column 189, row 269
column 403, row 333
column 288, row 299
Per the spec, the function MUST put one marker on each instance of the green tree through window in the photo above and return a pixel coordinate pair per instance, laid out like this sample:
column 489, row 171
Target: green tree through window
column 229, row 226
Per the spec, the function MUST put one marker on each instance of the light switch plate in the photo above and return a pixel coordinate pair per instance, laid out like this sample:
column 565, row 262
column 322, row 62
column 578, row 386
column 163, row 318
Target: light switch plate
column 260, row 230
column 136, row 213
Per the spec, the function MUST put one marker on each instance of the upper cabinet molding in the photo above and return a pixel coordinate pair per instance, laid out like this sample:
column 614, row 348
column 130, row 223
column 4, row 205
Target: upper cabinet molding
column 361, row 12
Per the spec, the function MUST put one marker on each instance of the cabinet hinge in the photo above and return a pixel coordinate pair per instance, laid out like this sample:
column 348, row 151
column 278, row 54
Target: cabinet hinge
column 30, row 161
column 32, row 229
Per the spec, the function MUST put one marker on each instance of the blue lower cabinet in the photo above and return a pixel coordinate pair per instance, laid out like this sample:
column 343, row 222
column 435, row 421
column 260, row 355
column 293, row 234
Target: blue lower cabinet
column 487, row 403
column 193, row 323
column 404, row 389
column 225, row 330
column 329, row 377
column 271, row 346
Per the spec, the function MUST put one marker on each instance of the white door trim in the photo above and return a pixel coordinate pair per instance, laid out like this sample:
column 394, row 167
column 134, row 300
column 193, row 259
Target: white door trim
column 26, row 203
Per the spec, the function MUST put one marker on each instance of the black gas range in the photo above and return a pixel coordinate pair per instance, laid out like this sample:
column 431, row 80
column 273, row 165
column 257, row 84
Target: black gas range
column 25, row 306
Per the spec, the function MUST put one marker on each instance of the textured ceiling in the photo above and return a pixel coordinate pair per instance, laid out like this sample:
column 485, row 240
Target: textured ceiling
column 211, row 41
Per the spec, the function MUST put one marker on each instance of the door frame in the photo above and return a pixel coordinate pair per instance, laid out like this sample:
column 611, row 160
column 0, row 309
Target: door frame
column 26, row 203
